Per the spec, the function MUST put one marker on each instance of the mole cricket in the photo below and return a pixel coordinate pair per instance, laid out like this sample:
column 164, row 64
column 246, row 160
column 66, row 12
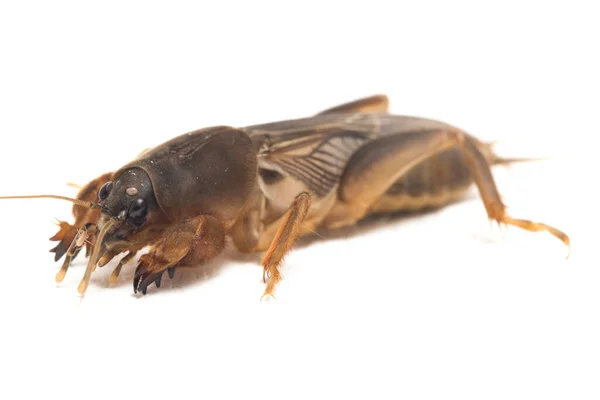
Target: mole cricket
column 264, row 186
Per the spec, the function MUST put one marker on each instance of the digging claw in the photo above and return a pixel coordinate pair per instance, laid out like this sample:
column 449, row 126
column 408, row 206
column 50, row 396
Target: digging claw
column 144, row 278
column 64, row 236
column 59, row 250
column 171, row 272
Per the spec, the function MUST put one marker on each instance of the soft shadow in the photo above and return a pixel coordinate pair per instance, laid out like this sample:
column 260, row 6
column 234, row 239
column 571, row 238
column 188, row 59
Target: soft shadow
column 368, row 225
column 198, row 275
column 184, row 276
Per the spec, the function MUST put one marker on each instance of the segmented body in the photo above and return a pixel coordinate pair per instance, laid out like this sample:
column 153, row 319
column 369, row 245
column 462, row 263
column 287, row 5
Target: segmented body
column 313, row 154
column 264, row 186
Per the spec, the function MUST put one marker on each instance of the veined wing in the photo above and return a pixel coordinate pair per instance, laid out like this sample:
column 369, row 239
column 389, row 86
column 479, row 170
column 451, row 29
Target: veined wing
column 313, row 150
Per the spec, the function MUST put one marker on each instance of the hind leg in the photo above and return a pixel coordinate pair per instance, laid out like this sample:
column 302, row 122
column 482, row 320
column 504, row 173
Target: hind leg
column 494, row 206
column 376, row 166
column 373, row 104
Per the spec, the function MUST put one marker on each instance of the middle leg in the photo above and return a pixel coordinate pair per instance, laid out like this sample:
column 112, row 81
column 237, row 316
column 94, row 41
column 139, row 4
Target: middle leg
column 288, row 232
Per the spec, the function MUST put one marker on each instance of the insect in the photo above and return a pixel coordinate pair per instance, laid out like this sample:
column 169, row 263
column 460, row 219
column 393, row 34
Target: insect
column 264, row 186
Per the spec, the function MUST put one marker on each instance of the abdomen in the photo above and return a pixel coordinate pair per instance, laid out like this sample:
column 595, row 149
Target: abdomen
column 436, row 182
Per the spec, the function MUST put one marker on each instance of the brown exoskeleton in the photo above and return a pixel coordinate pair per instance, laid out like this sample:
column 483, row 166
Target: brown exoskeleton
column 267, row 185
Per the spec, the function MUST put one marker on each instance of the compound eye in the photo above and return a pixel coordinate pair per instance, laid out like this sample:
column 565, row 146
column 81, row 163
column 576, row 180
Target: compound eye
column 105, row 191
column 138, row 210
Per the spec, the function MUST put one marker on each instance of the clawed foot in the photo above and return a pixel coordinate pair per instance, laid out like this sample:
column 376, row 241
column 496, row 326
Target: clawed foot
column 144, row 277
column 271, row 276
column 504, row 219
column 267, row 297
column 65, row 237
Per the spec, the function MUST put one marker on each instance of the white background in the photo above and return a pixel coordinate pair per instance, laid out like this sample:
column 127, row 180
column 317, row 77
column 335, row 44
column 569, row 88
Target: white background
column 439, row 307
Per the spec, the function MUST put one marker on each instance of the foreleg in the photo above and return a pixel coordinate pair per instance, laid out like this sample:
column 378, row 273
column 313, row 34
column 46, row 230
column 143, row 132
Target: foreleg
column 189, row 243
